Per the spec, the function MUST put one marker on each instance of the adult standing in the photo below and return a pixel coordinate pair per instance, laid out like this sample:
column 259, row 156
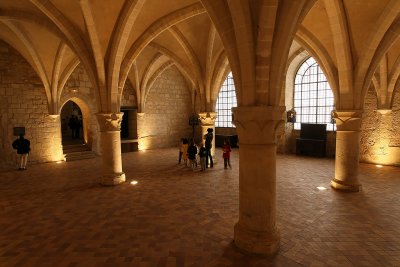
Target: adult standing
column 22, row 146
column 208, row 144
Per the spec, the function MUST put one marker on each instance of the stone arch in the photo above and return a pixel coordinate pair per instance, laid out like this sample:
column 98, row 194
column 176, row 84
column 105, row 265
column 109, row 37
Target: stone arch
column 90, row 125
column 152, row 32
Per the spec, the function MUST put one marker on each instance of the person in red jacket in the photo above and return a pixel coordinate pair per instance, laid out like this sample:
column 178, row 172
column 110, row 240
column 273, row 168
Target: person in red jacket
column 226, row 154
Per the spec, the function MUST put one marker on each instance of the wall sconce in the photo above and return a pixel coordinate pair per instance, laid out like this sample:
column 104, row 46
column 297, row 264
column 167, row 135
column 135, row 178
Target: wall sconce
column 333, row 121
column 291, row 116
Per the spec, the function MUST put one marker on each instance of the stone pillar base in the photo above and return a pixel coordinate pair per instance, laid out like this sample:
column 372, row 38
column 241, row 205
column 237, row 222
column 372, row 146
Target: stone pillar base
column 255, row 242
column 340, row 185
column 113, row 179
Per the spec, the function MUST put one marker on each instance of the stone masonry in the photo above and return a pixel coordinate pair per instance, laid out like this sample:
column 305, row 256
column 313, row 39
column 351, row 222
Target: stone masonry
column 23, row 104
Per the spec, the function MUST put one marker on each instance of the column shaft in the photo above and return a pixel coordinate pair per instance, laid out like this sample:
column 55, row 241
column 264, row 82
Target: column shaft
column 347, row 150
column 112, row 173
column 256, row 230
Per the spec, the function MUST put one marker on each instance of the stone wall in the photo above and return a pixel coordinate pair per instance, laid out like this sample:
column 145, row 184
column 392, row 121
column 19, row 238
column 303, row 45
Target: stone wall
column 380, row 132
column 23, row 103
column 78, row 89
column 166, row 113
column 128, row 98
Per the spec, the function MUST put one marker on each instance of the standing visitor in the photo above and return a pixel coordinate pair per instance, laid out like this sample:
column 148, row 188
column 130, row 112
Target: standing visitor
column 208, row 144
column 184, row 150
column 180, row 151
column 202, row 155
column 192, row 151
column 22, row 146
column 226, row 154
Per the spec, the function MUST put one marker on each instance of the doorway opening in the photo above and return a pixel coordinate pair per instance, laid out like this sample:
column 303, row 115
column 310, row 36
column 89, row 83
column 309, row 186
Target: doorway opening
column 71, row 124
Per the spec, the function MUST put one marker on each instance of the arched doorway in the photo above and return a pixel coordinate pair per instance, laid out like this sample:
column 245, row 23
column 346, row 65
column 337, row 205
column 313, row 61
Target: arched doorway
column 74, row 129
column 71, row 124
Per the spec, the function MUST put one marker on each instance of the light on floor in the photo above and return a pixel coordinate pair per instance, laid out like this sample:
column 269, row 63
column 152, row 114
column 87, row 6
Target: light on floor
column 134, row 182
column 60, row 161
column 379, row 166
column 321, row 188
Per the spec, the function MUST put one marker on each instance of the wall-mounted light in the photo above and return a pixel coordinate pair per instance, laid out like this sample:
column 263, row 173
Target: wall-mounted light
column 333, row 121
column 291, row 116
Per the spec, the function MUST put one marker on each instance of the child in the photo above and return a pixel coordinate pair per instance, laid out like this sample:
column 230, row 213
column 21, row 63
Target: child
column 226, row 154
column 192, row 151
column 184, row 150
column 202, row 155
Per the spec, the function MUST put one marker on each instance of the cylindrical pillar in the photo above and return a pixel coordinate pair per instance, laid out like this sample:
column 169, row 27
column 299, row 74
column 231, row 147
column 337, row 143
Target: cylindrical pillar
column 256, row 230
column 347, row 150
column 207, row 120
column 110, row 125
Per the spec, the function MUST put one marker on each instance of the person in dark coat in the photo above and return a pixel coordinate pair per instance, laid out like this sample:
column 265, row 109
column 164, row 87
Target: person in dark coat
column 208, row 144
column 192, row 151
column 22, row 146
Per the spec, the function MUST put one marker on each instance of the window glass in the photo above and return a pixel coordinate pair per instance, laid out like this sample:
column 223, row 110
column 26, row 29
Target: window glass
column 225, row 102
column 313, row 97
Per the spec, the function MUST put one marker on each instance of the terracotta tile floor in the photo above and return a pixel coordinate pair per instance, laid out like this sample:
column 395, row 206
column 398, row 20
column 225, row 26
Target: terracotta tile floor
column 57, row 215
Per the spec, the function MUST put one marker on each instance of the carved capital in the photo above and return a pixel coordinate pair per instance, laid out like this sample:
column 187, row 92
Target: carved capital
column 109, row 121
column 258, row 124
column 208, row 118
column 348, row 120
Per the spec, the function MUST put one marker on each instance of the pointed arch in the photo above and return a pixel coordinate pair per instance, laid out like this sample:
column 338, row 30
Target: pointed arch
column 342, row 43
column 153, row 78
column 119, row 39
column 321, row 55
column 153, row 31
column 19, row 32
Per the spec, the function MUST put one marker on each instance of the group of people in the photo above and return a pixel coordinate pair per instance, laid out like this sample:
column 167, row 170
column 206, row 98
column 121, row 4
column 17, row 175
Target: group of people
column 75, row 124
column 188, row 152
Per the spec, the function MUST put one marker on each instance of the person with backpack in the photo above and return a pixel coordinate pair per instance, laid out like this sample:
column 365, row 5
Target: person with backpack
column 22, row 146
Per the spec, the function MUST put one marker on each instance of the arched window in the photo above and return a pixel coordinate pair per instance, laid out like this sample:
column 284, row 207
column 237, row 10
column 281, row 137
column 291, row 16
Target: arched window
column 225, row 101
column 313, row 97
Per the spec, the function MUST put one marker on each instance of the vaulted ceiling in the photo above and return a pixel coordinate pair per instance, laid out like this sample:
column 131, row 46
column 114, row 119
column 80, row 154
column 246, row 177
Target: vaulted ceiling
column 138, row 39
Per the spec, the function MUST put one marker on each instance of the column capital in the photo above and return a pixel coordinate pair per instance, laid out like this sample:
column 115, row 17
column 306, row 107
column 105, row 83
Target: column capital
column 258, row 124
column 348, row 120
column 109, row 121
column 208, row 118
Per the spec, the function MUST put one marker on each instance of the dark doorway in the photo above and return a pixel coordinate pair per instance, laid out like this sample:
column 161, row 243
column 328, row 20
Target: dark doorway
column 71, row 124
column 129, row 130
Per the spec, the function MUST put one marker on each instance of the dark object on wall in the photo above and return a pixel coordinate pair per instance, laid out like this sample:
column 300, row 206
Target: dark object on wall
column 19, row 131
column 219, row 140
column 291, row 116
column 194, row 120
column 312, row 141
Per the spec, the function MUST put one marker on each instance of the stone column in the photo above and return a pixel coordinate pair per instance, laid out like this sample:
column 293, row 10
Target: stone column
column 110, row 125
column 348, row 125
column 207, row 120
column 256, row 230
